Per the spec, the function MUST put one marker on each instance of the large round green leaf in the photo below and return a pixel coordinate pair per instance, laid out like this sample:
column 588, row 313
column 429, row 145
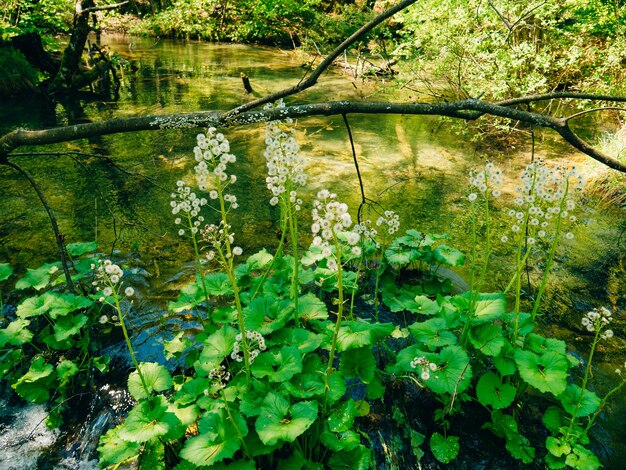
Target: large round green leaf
column 445, row 449
column 38, row 278
column 359, row 362
column 150, row 419
column 490, row 391
column 267, row 314
column 278, row 366
column 219, row 438
column 35, row 385
column 5, row 271
column 355, row 334
column 15, row 333
column 453, row 374
column 432, row 333
column 546, row 372
column 304, row 340
column 156, row 377
column 577, row 401
column 113, row 449
column 358, row 458
column 311, row 307
column 67, row 326
column 216, row 348
column 449, row 256
column 280, row 421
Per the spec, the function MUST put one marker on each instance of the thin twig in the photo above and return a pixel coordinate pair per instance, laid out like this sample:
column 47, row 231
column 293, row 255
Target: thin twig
column 594, row 110
column 53, row 221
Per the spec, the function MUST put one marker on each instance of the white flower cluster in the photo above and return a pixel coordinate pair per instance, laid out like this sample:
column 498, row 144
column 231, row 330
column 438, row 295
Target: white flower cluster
column 330, row 220
column 256, row 344
column 212, row 155
column 366, row 231
column 285, row 166
column 597, row 319
column 186, row 202
column 107, row 278
column 489, row 179
column 426, row 366
column 390, row 220
column 545, row 199
column 219, row 377
column 217, row 236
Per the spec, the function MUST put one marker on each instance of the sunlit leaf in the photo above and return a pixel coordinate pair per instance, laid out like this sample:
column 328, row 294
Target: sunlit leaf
column 432, row 333
column 259, row 260
column 67, row 326
column 546, row 372
column 453, row 374
column 215, row 348
column 113, row 449
column 278, row 366
column 344, row 440
column 355, row 334
column 449, row 256
column 488, row 338
column 66, row 369
column 575, row 400
column 150, row 419
column 491, row 391
column 445, row 449
column 304, row 340
column 35, row 385
column 267, row 313
column 189, row 296
column 425, row 306
column 15, row 333
column 342, row 418
column 280, row 421
column 35, row 306
column 155, row 376
column 311, row 308
column 219, row 438
column 5, row 271
column 38, row 278
column 540, row 344
column 80, row 248
column 218, row 284
column 582, row 458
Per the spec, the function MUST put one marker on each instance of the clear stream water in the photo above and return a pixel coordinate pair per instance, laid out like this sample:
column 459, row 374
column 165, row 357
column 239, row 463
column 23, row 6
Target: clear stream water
column 115, row 189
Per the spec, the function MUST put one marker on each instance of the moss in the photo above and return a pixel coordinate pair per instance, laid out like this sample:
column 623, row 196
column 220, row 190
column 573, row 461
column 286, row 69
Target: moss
column 16, row 74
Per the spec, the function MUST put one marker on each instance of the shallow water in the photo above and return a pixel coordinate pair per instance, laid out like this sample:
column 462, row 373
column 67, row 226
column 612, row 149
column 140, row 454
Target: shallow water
column 117, row 190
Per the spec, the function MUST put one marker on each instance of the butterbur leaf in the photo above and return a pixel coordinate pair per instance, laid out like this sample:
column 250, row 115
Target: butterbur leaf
column 148, row 420
column 35, row 306
column 216, row 348
column 553, row 419
column 425, row 306
column 218, row 284
column 278, row 366
column 113, row 449
column 573, row 394
column 15, row 333
column 403, row 299
column 35, row 385
column 558, row 447
column 304, row 340
column 359, row 362
column 219, row 438
column 505, row 426
column 9, row 359
column 336, row 441
column 582, row 459
column 280, row 421
column 488, row 338
column 490, row 391
column 153, row 456
column 305, row 386
column 66, row 369
column 546, row 372
column 101, row 363
column 189, row 296
column 157, row 378
column 505, row 361
column 311, row 308
column 67, row 303
column 38, row 278
column 445, row 449
column 489, row 307
column 191, row 390
column 539, row 344
column 449, row 256
column 259, row 260
column 69, row 325
column 342, row 418
column 400, row 255
column 453, row 372
column 267, row 313
column 5, row 271
column 432, row 333
column 80, row 248
column 358, row 458
column 177, row 345
column 355, row 334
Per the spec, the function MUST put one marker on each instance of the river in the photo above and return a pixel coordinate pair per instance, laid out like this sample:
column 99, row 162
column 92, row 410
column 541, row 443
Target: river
column 116, row 189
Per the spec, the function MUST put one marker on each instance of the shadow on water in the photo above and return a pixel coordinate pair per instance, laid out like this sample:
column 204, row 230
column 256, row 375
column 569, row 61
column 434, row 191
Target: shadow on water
column 116, row 189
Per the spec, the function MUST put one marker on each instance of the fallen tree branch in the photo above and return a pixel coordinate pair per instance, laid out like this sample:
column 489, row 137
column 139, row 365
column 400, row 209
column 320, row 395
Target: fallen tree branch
column 470, row 109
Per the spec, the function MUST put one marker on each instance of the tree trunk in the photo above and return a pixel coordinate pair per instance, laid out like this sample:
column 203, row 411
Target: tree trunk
column 74, row 50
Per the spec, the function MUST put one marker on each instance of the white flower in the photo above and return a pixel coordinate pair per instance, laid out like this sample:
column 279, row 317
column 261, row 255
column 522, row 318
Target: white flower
column 107, row 291
column 237, row 251
column 129, row 291
column 472, row 197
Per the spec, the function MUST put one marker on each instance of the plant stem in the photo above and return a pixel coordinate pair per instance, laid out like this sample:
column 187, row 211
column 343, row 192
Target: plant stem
column 333, row 345
column 295, row 282
column 201, row 274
